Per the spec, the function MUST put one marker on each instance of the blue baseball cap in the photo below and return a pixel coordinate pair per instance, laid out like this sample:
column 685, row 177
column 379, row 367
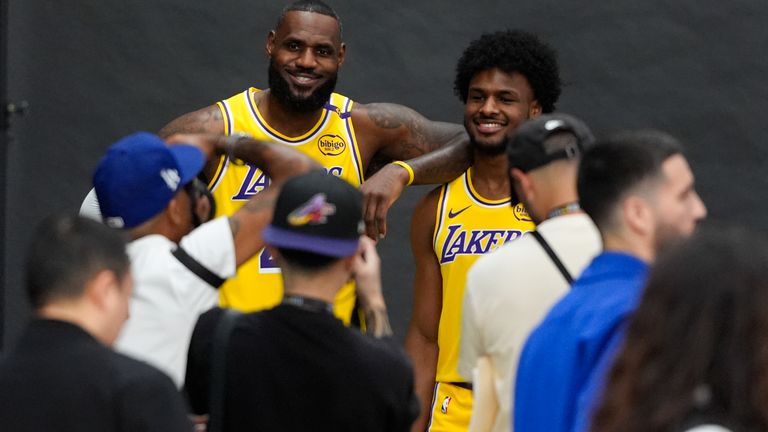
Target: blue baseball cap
column 140, row 175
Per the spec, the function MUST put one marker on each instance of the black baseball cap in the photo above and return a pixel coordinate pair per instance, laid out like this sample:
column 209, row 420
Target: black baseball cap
column 528, row 150
column 319, row 213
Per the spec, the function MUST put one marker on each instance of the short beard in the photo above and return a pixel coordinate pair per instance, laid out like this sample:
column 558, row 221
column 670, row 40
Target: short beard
column 488, row 149
column 280, row 88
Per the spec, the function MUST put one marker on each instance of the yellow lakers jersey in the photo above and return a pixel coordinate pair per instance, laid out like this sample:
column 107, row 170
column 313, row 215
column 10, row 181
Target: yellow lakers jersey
column 331, row 142
column 466, row 226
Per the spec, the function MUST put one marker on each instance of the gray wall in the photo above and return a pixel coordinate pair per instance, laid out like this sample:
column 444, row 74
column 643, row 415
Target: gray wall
column 96, row 70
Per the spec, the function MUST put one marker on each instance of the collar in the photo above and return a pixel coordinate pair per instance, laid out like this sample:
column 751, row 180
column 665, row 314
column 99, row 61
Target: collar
column 307, row 303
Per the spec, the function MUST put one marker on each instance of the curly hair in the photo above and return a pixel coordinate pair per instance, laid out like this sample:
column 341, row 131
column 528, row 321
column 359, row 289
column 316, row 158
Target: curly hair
column 698, row 344
column 512, row 51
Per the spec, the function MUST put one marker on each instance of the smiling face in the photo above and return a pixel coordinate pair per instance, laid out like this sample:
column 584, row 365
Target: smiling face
column 305, row 55
column 497, row 103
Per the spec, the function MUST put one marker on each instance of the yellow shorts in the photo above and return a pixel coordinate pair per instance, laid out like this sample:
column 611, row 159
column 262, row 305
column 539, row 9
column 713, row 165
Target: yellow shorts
column 451, row 408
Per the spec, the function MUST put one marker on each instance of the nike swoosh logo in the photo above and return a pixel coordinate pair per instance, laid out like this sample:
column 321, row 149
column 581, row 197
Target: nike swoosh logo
column 452, row 215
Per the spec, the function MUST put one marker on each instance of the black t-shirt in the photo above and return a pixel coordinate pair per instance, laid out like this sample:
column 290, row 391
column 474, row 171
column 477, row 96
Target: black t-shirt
column 59, row 378
column 294, row 369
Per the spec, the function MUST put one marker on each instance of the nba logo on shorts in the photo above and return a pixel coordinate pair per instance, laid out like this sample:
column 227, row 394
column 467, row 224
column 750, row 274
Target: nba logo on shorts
column 444, row 406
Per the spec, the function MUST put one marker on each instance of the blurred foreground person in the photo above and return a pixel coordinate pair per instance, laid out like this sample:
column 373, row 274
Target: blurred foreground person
column 696, row 351
column 62, row 375
column 296, row 367
column 639, row 190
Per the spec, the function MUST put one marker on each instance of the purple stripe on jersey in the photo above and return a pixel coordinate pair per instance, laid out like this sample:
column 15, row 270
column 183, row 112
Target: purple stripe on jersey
column 357, row 161
column 480, row 199
column 441, row 212
column 264, row 126
column 228, row 115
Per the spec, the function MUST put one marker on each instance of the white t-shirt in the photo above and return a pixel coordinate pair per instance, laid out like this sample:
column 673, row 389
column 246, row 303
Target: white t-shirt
column 510, row 290
column 167, row 297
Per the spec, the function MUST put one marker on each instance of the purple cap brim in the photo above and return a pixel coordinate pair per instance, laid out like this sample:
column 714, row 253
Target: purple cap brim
column 334, row 247
column 190, row 160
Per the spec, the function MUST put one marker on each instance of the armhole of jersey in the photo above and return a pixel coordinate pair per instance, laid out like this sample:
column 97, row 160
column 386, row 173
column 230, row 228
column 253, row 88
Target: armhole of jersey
column 356, row 159
column 439, row 214
column 223, row 159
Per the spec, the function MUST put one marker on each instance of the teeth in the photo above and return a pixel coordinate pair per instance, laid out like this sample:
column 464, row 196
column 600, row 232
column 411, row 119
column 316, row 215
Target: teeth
column 489, row 126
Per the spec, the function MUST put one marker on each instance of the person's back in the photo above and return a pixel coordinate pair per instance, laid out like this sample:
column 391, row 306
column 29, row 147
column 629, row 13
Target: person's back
column 296, row 367
column 62, row 374
column 60, row 378
column 299, row 368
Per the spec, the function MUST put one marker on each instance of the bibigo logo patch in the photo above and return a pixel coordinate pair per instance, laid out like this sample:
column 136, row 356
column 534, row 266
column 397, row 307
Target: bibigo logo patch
column 521, row 213
column 331, row 145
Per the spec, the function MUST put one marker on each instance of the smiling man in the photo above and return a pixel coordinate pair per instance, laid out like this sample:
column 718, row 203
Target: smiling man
column 503, row 79
column 301, row 110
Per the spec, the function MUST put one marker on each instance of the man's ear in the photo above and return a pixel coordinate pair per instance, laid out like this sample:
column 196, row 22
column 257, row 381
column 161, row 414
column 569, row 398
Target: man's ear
column 269, row 47
column 535, row 109
column 100, row 287
column 342, row 53
column 637, row 215
column 522, row 183
column 174, row 210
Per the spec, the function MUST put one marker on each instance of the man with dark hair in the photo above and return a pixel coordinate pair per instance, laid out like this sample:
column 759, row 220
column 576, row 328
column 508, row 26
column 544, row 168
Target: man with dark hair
column 62, row 375
column 509, row 290
column 638, row 189
column 144, row 187
column 351, row 140
column 503, row 78
column 296, row 367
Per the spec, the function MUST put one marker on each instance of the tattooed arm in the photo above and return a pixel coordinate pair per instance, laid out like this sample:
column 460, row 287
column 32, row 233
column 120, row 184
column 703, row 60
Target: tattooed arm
column 395, row 132
column 207, row 121
column 277, row 161
column 438, row 152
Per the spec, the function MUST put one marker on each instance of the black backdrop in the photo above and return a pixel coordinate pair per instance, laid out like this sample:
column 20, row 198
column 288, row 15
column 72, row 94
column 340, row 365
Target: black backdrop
column 95, row 70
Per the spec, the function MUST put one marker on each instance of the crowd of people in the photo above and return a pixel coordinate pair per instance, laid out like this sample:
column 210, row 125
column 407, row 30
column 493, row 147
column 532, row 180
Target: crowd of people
column 223, row 273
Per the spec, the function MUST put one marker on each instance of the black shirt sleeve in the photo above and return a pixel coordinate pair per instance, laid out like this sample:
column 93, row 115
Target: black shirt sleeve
column 198, row 375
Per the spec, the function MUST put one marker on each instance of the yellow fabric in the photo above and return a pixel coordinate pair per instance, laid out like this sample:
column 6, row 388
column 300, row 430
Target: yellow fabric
column 466, row 226
column 451, row 409
column 331, row 142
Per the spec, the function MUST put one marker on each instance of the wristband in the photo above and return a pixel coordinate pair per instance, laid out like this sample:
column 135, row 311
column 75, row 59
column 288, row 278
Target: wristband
column 408, row 168
column 232, row 140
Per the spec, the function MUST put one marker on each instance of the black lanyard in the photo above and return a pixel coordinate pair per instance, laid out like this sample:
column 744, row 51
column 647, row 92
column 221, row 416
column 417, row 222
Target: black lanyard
column 559, row 211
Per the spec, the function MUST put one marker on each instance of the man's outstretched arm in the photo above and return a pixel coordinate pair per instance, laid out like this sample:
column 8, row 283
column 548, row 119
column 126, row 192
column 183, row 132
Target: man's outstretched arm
column 437, row 152
column 278, row 161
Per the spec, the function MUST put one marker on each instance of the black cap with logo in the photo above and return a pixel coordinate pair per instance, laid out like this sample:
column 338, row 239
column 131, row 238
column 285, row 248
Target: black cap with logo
column 319, row 213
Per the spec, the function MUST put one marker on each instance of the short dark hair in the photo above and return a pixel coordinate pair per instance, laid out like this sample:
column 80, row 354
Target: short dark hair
column 512, row 51
column 307, row 262
column 65, row 252
column 617, row 165
column 701, row 326
column 314, row 6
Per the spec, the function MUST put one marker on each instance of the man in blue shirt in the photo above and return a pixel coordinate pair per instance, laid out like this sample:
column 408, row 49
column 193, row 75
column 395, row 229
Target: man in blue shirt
column 638, row 189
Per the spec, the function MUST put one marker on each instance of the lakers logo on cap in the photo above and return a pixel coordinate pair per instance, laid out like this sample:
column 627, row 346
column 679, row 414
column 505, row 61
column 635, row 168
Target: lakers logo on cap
column 521, row 213
column 313, row 212
column 331, row 145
